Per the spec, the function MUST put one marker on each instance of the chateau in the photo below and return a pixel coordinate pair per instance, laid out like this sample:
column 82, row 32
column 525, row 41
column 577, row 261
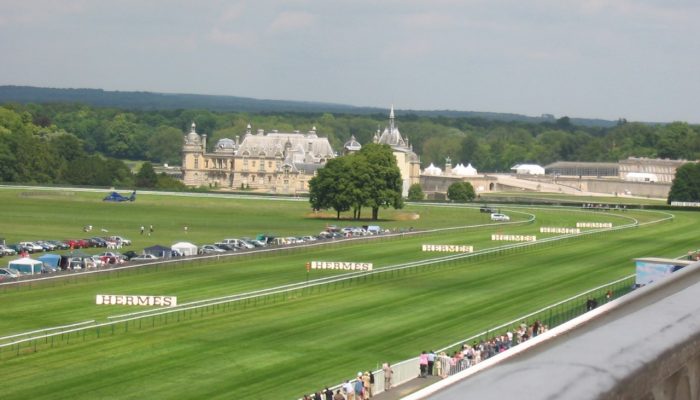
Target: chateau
column 278, row 162
column 273, row 163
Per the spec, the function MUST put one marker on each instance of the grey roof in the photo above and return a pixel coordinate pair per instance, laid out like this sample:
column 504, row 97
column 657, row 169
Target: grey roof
column 225, row 146
column 303, row 148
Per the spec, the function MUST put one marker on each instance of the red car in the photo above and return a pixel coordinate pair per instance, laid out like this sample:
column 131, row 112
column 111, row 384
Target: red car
column 77, row 243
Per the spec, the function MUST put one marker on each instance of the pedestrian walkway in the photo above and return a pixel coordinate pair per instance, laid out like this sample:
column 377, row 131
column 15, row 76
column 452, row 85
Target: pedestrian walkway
column 406, row 388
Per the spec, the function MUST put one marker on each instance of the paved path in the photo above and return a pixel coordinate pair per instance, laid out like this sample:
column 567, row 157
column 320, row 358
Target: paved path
column 406, row 388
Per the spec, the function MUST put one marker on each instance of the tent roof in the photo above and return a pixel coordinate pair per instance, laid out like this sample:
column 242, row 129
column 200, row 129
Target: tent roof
column 25, row 261
column 183, row 244
column 157, row 248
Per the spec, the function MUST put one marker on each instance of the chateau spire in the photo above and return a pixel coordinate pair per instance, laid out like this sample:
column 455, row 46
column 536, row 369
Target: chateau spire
column 391, row 120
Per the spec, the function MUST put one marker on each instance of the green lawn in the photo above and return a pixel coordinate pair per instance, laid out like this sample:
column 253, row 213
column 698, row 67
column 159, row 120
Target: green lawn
column 287, row 345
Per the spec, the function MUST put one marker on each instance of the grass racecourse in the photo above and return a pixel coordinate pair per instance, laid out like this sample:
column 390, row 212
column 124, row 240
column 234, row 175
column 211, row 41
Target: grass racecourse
column 281, row 346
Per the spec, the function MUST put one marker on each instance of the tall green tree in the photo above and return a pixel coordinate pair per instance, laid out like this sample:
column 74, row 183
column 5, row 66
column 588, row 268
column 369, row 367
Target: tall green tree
column 461, row 192
column 686, row 184
column 415, row 192
column 146, row 177
column 384, row 186
column 332, row 187
column 165, row 145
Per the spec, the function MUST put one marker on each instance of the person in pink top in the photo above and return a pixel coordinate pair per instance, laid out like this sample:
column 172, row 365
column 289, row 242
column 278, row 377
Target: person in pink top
column 423, row 364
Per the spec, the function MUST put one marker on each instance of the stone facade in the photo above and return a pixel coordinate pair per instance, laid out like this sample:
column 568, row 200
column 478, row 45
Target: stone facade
column 272, row 163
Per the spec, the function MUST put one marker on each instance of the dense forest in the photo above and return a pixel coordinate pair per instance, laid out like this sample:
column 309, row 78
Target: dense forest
column 66, row 142
column 177, row 101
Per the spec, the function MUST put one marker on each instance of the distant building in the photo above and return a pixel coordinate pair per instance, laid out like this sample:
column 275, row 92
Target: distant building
column 435, row 182
column 581, row 168
column 407, row 161
column 649, row 169
column 274, row 162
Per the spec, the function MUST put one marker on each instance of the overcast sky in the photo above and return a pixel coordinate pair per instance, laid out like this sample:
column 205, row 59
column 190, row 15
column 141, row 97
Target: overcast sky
column 637, row 59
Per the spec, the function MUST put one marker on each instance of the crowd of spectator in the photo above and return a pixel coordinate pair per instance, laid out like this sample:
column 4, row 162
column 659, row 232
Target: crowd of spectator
column 439, row 364
column 360, row 388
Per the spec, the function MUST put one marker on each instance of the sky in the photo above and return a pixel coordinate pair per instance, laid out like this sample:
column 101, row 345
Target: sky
column 609, row 59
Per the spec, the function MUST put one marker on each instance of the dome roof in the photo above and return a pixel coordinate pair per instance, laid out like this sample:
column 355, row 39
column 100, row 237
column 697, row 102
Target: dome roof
column 432, row 170
column 193, row 137
column 352, row 144
column 225, row 145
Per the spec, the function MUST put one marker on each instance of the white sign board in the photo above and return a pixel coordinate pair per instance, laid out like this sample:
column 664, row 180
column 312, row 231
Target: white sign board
column 514, row 238
column 135, row 300
column 449, row 248
column 548, row 229
column 594, row 225
column 341, row 265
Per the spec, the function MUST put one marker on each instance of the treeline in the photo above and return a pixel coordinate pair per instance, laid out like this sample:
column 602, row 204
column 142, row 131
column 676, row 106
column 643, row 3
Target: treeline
column 31, row 153
column 156, row 135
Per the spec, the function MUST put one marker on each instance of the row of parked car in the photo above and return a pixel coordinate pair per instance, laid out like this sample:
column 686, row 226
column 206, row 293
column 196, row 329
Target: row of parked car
column 331, row 232
column 37, row 246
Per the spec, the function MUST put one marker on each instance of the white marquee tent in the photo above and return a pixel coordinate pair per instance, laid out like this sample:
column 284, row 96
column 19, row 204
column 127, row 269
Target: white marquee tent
column 528, row 169
column 26, row 265
column 185, row 248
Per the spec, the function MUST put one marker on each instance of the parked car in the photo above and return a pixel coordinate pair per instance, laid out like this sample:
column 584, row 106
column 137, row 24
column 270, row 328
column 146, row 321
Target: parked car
column 128, row 255
column 6, row 251
column 121, row 240
column 111, row 258
column 238, row 243
column 499, row 217
column 7, row 274
column 19, row 249
column 225, row 246
column 48, row 246
column 487, row 209
column 77, row 243
column 31, row 245
column 98, row 241
column 211, row 249
column 144, row 257
column 59, row 245
column 258, row 243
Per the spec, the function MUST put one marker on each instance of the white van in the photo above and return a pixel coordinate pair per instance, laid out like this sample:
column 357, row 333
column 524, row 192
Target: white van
column 499, row 217
column 238, row 243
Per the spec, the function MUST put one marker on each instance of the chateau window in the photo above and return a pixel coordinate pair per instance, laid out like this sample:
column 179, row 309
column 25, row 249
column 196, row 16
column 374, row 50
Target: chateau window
column 206, row 163
column 196, row 162
column 269, row 164
column 269, row 179
column 252, row 178
column 253, row 164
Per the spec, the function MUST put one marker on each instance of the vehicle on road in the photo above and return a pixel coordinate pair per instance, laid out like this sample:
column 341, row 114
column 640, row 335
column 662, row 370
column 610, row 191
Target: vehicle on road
column 499, row 217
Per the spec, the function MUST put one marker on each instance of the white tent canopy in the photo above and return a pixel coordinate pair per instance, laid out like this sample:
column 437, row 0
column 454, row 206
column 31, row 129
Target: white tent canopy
column 461, row 170
column 185, row 248
column 26, row 265
column 528, row 169
column 432, row 170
